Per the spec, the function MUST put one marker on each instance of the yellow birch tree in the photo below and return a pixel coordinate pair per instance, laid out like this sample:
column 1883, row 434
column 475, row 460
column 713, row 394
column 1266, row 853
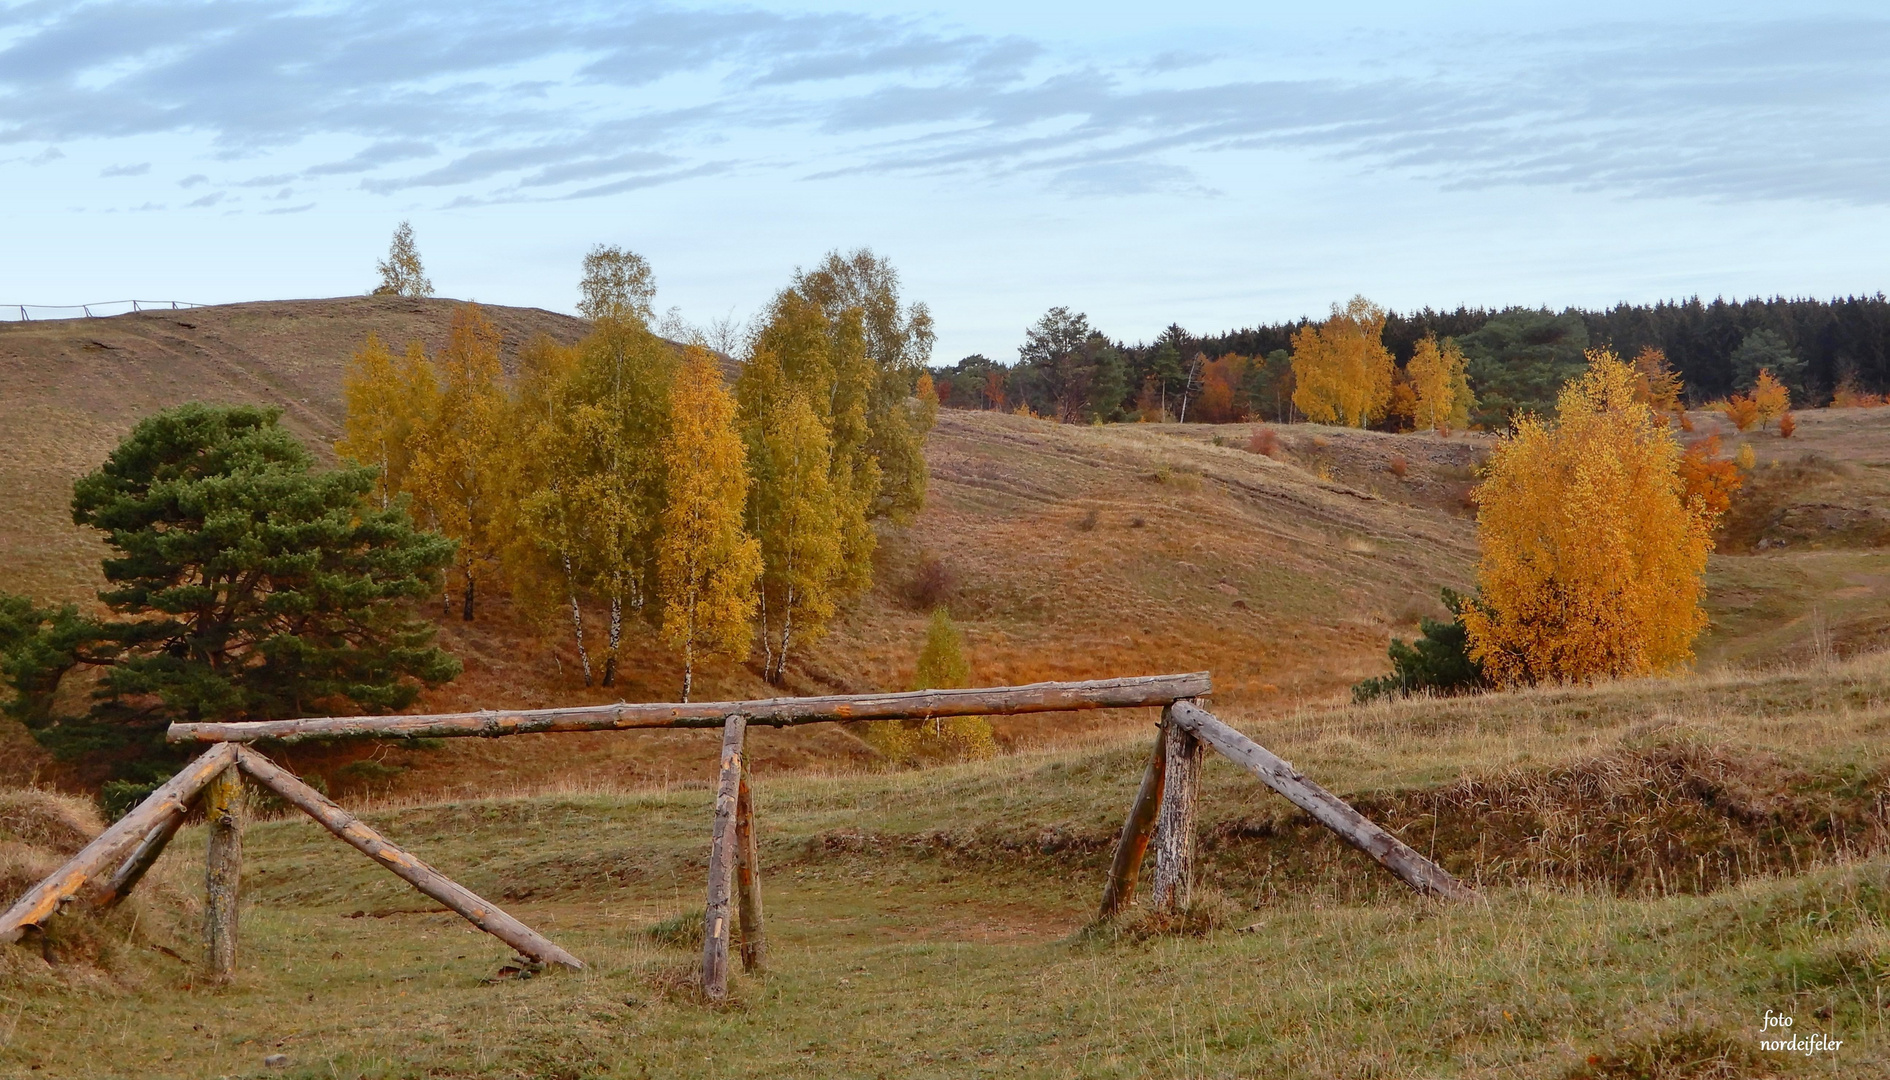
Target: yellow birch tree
column 1341, row 368
column 1441, row 385
column 707, row 563
column 1770, row 397
column 457, row 475
column 1593, row 557
column 389, row 403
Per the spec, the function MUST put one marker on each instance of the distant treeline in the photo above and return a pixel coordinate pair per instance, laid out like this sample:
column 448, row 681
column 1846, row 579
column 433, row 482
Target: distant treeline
column 1518, row 358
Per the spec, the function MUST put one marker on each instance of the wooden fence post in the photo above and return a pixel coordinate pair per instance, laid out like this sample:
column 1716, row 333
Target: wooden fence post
column 1133, row 844
column 748, row 878
column 1174, row 832
column 722, row 858
column 142, row 858
column 223, row 872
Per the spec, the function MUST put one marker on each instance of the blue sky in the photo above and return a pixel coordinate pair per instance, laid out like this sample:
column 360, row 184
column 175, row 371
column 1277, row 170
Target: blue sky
column 1216, row 165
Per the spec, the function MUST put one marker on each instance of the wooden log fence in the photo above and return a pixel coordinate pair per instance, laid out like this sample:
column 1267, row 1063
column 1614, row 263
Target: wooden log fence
column 1162, row 814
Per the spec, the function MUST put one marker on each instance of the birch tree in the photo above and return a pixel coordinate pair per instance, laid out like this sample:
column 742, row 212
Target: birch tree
column 456, row 474
column 707, row 563
column 389, row 403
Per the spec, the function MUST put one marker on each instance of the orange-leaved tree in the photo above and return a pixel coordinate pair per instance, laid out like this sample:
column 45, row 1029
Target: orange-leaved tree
column 706, row 562
column 1657, row 384
column 1742, row 410
column 457, row 474
column 1341, row 369
column 1440, row 380
column 1770, row 398
column 1592, row 555
column 1708, row 477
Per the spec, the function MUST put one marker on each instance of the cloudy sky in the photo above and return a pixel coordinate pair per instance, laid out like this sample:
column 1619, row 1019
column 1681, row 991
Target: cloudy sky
column 1212, row 164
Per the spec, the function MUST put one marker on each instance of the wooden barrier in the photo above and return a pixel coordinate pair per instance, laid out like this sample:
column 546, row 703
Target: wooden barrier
column 1164, row 805
column 1151, row 690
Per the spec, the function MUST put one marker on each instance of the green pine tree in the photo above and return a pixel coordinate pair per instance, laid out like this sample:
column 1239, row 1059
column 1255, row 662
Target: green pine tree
column 243, row 585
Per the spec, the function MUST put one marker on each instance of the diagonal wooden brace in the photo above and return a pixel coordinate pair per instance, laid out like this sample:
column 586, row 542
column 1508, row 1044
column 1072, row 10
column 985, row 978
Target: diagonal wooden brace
column 173, row 798
column 1328, row 809
column 476, row 910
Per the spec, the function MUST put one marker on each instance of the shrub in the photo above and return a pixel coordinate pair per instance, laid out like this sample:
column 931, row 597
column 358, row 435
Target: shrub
column 1438, row 662
column 942, row 665
column 1398, row 466
column 933, row 585
column 1787, row 424
column 1264, row 441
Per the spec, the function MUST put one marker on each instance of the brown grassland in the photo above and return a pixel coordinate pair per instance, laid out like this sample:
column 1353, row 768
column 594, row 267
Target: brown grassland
column 1661, row 861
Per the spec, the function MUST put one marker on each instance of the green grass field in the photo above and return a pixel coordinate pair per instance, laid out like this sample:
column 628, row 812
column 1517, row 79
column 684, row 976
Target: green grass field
column 936, row 923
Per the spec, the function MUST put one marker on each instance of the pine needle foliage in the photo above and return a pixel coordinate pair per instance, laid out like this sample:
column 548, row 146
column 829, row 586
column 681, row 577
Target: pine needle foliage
column 243, row 585
column 1593, row 557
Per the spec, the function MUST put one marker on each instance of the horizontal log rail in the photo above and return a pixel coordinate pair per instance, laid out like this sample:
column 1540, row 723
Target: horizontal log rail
column 1148, row 690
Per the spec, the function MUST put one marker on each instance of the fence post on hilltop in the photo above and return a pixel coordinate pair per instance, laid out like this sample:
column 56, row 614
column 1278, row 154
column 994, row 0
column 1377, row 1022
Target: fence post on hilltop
column 748, row 877
column 1174, row 831
column 722, row 858
column 1126, row 868
column 223, row 871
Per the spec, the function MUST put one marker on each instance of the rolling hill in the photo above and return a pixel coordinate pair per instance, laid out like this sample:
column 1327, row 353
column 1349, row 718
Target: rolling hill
column 1065, row 552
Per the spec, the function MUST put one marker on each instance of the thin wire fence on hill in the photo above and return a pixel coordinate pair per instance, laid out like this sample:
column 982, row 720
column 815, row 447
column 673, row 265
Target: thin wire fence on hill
column 37, row 312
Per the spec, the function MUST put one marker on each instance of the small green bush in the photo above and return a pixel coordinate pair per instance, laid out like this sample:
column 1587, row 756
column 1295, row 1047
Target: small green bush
column 1438, row 662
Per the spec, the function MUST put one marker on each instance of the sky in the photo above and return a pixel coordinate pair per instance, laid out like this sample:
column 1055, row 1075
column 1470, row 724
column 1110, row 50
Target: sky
column 1212, row 165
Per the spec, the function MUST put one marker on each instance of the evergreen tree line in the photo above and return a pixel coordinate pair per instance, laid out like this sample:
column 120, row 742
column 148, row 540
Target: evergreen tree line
column 620, row 478
column 1517, row 358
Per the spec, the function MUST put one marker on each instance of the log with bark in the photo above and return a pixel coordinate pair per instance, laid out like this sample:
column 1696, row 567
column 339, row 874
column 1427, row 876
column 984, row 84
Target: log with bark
column 1174, row 828
column 773, row 712
column 476, row 910
column 1328, row 809
column 223, row 872
column 110, row 847
column 748, row 878
column 1126, row 868
column 722, row 859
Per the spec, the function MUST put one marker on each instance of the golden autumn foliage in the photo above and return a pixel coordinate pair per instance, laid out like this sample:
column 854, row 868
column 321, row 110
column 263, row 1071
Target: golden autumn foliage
column 1741, row 410
column 1440, row 381
column 707, row 563
column 941, row 665
column 1746, row 458
column 1770, row 398
column 1708, row 478
column 1593, row 558
column 389, row 402
column 1341, row 368
column 1656, row 384
column 456, row 476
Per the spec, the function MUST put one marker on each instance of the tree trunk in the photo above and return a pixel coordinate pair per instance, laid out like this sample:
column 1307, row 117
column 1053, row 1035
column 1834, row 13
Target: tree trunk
column 1133, row 844
column 1174, row 833
column 223, row 873
column 722, row 859
column 748, row 877
column 475, row 909
column 577, row 620
column 466, row 613
column 616, row 639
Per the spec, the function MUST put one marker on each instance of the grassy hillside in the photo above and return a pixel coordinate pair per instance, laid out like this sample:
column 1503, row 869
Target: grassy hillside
column 1065, row 552
column 1661, row 863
